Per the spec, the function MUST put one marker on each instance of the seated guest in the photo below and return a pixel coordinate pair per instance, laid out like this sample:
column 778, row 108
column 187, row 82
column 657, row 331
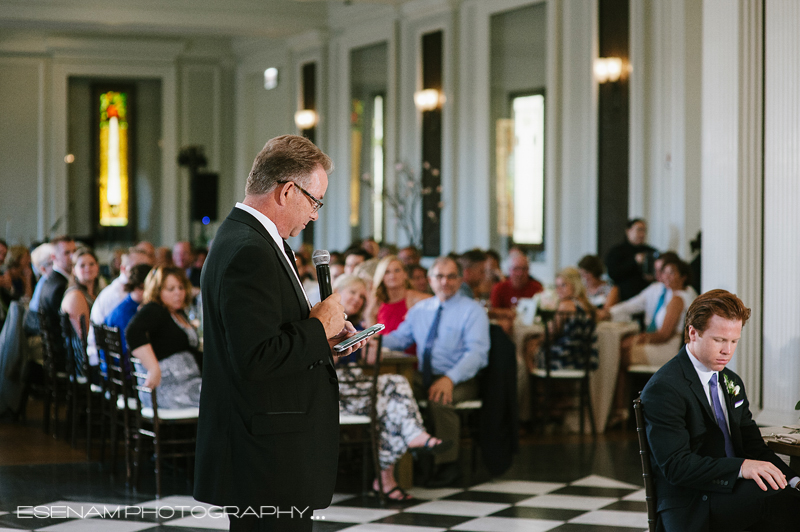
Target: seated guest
column 3, row 250
column 183, row 257
column 518, row 285
column 353, row 257
column 409, row 256
column 113, row 294
column 122, row 314
column 628, row 263
column 573, row 323
column 418, row 277
column 162, row 338
column 80, row 295
column 452, row 334
column 42, row 259
column 366, row 271
column 665, row 310
column 162, row 257
column 371, row 246
column 392, row 294
column 711, row 467
column 20, row 274
column 492, row 276
column 401, row 423
column 473, row 266
column 597, row 290
column 147, row 248
column 53, row 293
column 337, row 265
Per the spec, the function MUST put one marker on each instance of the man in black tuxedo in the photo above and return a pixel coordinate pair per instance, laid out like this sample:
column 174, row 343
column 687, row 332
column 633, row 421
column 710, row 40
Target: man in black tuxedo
column 712, row 469
column 268, row 433
column 53, row 292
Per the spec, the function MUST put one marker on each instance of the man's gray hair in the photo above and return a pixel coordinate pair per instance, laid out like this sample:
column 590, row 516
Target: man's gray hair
column 442, row 260
column 285, row 158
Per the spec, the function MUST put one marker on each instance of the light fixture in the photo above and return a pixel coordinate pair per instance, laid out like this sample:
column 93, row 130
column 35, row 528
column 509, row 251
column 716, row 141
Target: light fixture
column 428, row 99
column 607, row 69
column 270, row 78
column 305, row 119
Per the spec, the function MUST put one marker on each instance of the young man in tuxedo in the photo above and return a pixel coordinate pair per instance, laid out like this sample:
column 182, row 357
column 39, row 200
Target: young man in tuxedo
column 712, row 469
column 267, row 441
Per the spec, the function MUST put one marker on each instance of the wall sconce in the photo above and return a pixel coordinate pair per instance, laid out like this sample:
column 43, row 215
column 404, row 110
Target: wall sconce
column 306, row 119
column 607, row 69
column 270, row 78
column 428, row 99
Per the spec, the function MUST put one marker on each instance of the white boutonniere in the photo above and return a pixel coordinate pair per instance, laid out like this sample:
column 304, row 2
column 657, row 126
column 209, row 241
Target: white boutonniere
column 733, row 389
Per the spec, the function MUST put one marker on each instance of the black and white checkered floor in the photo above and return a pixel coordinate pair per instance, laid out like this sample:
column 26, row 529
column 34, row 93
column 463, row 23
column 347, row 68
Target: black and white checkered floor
column 592, row 503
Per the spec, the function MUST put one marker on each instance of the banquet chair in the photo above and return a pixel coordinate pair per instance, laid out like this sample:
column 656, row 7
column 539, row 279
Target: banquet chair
column 56, row 382
column 364, row 386
column 647, row 472
column 84, row 397
column 118, row 395
column 172, row 432
column 548, row 376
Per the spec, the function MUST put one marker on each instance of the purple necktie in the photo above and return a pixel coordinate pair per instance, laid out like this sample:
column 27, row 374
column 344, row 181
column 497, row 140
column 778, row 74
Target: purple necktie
column 720, row 415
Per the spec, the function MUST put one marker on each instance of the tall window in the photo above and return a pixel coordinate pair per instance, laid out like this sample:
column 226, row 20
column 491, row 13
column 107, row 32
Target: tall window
column 520, row 171
column 113, row 163
column 377, row 167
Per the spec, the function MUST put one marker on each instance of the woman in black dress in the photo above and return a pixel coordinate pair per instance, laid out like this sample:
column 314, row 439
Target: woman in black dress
column 162, row 338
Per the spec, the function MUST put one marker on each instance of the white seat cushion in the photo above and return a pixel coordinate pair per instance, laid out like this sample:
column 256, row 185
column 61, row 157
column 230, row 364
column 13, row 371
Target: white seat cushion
column 131, row 403
column 473, row 404
column 560, row 373
column 172, row 413
column 350, row 419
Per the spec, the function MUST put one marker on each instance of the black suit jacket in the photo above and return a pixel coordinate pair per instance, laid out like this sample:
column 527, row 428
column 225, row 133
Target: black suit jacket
column 687, row 446
column 269, row 415
column 50, row 304
column 625, row 271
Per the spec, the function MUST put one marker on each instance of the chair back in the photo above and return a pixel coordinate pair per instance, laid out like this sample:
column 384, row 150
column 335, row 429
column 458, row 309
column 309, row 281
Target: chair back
column 109, row 342
column 647, row 472
column 74, row 346
column 353, row 386
column 48, row 347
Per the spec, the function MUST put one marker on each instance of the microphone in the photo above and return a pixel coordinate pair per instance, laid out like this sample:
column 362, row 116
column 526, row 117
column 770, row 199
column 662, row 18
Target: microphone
column 322, row 260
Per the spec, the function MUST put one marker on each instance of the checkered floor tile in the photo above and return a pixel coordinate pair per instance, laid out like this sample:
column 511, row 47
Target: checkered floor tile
column 589, row 504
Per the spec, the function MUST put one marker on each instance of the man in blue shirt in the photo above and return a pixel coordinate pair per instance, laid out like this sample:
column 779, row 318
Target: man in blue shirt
column 452, row 336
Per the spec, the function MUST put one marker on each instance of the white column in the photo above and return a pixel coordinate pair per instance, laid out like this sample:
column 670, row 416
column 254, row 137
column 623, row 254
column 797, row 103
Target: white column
column 781, row 358
column 731, row 167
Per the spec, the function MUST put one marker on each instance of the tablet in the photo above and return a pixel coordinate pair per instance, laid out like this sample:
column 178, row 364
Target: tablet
column 366, row 333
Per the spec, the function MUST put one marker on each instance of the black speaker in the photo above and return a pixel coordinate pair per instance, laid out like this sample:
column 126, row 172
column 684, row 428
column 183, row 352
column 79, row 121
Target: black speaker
column 204, row 197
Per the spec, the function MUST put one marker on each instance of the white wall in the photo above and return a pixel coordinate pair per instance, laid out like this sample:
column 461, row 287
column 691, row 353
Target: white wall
column 22, row 148
column 42, row 127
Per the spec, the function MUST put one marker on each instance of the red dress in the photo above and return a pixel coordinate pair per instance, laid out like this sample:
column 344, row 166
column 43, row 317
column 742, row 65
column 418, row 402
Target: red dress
column 392, row 315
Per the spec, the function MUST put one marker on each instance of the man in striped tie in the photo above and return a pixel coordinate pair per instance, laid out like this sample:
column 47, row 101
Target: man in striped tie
column 712, row 469
column 452, row 336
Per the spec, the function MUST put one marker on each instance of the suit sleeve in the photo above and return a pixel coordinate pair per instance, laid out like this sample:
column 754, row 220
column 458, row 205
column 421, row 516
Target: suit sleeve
column 266, row 335
column 671, row 439
column 753, row 443
column 621, row 264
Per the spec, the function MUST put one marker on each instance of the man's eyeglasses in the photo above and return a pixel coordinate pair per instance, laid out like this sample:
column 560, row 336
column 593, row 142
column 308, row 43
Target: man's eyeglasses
column 317, row 204
column 439, row 277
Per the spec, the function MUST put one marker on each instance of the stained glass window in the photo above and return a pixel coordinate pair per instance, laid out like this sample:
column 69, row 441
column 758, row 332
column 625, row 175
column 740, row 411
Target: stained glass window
column 113, row 154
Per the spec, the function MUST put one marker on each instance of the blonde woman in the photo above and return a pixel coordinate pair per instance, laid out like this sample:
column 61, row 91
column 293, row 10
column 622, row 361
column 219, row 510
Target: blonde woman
column 162, row 338
column 574, row 322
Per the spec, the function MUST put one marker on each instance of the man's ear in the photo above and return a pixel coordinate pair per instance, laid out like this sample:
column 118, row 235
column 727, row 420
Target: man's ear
column 282, row 194
column 693, row 333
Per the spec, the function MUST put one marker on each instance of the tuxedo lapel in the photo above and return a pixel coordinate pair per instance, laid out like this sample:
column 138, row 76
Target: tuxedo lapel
column 246, row 218
column 695, row 385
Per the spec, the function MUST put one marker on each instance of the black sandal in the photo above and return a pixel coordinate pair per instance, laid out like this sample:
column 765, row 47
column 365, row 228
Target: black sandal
column 437, row 448
column 405, row 496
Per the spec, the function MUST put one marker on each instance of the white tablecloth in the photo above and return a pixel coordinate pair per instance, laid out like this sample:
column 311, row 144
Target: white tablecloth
column 602, row 382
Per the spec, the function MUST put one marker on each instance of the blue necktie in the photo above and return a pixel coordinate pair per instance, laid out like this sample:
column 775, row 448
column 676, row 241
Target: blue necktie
column 427, row 355
column 652, row 327
column 719, row 414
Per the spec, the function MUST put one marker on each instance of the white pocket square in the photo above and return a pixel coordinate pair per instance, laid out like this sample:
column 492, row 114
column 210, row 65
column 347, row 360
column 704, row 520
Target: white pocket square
column 740, row 403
